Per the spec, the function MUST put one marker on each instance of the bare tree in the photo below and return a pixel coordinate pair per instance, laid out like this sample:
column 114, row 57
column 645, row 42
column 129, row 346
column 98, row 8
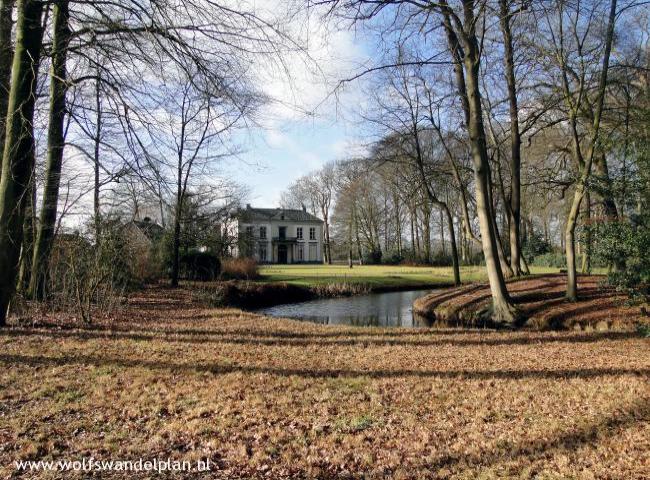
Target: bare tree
column 18, row 156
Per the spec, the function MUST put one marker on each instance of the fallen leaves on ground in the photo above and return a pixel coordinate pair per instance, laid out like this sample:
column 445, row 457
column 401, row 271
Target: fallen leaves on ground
column 273, row 398
column 542, row 301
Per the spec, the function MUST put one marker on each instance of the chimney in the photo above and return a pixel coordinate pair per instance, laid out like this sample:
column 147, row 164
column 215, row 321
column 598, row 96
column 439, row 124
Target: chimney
column 248, row 206
column 304, row 208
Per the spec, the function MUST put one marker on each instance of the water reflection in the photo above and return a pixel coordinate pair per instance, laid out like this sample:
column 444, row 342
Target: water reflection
column 392, row 309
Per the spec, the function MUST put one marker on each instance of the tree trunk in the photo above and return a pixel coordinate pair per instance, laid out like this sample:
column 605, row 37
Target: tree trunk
column 570, row 247
column 442, row 234
column 514, row 211
column 55, row 141
column 426, row 233
column 502, row 309
column 350, row 243
column 572, row 280
column 586, row 220
column 356, row 234
column 328, row 247
column 6, row 56
column 27, row 252
column 452, row 241
column 18, row 162
column 96, row 162
column 503, row 260
column 177, row 230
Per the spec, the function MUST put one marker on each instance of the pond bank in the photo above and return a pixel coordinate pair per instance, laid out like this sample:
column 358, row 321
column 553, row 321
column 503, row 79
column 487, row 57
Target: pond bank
column 386, row 309
column 541, row 300
column 251, row 295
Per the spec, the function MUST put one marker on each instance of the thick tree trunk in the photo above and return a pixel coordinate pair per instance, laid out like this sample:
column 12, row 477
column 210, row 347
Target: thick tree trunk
column 55, row 145
column 467, row 71
column 6, row 56
column 502, row 309
column 18, row 162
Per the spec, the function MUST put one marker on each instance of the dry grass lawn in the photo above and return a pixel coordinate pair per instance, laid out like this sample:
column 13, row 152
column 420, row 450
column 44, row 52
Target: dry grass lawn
column 268, row 398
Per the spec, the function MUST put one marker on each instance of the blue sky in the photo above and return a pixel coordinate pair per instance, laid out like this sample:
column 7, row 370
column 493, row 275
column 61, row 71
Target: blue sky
column 277, row 157
column 292, row 143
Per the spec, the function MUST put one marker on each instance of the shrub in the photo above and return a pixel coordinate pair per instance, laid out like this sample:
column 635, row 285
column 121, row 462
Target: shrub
column 626, row 244
column 550, row 259
column 372, row 257
column 239, row 269
column 252, row 295
column 534, row 245
column 202, row 266
column 393, row 258
column 89, row 277
column 441, row 259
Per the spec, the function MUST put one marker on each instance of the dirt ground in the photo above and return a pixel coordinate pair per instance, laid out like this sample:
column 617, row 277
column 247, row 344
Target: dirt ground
column 273, row 398
column 541, row 300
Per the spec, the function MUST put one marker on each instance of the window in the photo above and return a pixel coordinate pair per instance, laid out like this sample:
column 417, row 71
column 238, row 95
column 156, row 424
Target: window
column 262, row 232
column 299, row 233
column 249, row 231
column 301, row 252
column 283, row 233
column 312, row 233
column 312, row 252
column 263, row 252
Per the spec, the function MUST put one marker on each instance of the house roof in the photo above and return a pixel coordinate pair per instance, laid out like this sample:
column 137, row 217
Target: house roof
column 250, row 214
column 151, row 230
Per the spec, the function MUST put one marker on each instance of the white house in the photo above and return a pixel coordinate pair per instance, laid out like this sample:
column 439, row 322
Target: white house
column 280, row 235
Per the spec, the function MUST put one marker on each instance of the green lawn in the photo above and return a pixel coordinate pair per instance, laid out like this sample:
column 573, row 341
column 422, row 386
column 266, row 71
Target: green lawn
column 374, row 275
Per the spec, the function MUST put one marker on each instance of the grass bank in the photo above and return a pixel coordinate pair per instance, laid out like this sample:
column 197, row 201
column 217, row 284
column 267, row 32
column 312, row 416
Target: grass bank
column 280, row 284
column 273, row 398
column 376, row 277
column 541, row 301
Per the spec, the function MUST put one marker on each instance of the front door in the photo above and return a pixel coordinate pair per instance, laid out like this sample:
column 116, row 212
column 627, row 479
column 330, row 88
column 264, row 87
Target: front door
column 282, row 254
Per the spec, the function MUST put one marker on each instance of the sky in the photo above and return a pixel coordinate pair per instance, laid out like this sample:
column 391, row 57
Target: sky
column 305, row 125
column 277, row 157
column 308, row 121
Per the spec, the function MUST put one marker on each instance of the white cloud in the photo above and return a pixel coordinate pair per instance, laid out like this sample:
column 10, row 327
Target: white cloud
column 302, row 84
column 348, row 147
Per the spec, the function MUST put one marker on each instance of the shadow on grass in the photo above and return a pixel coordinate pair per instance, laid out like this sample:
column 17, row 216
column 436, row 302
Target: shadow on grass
column 565, row 442
column 262, row 338
column 217, row 369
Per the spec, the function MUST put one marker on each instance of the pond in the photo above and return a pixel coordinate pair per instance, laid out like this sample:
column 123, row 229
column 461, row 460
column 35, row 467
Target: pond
column 390, row 309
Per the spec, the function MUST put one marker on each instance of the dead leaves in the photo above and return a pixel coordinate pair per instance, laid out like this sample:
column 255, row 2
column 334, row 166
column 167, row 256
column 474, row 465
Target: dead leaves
column 270, row 398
